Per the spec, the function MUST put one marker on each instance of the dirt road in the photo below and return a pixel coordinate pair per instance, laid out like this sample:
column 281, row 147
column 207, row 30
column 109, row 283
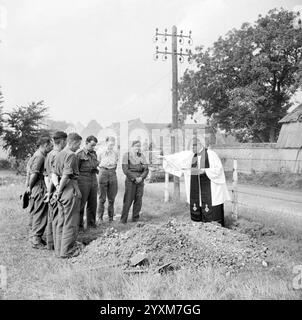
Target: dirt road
column 262, row 198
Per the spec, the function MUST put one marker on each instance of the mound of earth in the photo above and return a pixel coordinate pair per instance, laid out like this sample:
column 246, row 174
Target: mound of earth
column 174, row 243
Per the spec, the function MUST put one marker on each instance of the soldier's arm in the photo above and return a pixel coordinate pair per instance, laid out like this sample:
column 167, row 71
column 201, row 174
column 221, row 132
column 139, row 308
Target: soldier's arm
column 65, row 179
column 32, row 180
column 146, row 169
column 125, row 167
column 55, row 180
column 36, row 165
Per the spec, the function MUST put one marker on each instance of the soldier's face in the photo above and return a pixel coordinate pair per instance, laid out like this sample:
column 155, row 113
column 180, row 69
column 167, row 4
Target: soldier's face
column 48, row 147
column 63, row 143
column 110, row 144
column 91, row 145
column 75, row 145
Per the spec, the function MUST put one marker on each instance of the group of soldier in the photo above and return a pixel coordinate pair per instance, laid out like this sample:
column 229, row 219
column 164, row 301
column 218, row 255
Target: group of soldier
column 64, row 180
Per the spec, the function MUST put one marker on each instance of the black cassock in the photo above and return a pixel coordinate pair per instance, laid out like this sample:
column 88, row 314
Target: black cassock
column 201, row 188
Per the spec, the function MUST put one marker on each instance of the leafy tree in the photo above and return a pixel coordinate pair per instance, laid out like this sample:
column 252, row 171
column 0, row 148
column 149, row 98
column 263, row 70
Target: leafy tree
column 23, row 127
column 244, row 82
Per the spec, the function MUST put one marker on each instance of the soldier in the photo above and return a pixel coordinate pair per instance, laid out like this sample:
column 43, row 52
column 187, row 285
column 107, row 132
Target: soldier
column 65, row 174
column 37, row 189
column 107, row 179
column 88, row 163
column 59, row 139
column 136, row 170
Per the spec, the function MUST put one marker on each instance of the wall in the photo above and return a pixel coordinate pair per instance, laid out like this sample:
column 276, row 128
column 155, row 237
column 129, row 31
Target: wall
column 261, row 157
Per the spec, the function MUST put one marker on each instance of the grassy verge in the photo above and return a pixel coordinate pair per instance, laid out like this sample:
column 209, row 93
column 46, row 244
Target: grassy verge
column 34, row 274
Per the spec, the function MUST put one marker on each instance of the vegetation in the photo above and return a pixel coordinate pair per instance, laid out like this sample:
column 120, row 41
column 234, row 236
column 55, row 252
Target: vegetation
column 23, row 126
column 244, row 82
column 36, row 274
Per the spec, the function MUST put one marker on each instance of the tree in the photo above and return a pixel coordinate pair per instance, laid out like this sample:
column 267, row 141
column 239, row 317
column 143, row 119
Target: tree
column 244, row 82
column 23, row 127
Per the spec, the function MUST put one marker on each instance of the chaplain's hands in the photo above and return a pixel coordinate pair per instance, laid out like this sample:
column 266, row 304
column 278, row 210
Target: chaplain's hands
column 195, row 171
column 139, row 180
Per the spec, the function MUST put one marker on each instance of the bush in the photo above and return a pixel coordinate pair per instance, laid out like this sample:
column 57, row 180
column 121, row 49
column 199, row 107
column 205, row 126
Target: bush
column 5, row 164
column 19, row 165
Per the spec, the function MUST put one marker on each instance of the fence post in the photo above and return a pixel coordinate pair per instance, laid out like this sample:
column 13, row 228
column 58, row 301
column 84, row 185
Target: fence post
column 166, row 187
column 235, row 189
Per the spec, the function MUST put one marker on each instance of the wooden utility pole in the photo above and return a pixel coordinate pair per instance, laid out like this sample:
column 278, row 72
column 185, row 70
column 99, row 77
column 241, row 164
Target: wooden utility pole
column 174, row 144
column 175, row 57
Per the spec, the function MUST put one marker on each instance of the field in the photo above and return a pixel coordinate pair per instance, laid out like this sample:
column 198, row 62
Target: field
column 38, row 274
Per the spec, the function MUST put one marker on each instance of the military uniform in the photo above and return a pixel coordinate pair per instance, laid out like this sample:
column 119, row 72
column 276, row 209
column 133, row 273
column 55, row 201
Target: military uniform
column 52, row 205
column 38, row 209
column 69, row 203
column 107, row 179
column 88, row 185
column 134, row 166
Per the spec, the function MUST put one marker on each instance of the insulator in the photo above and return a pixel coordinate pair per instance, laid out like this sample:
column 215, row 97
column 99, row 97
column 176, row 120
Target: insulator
column 190, row 42
column 155, row 57
column 181, row 59
column 166, row 30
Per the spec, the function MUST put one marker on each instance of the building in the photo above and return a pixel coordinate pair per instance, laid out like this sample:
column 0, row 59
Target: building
column 291, row 131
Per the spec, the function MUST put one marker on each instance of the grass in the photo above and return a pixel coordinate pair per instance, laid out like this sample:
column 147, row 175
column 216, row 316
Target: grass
column 34, row 274
column 269, row 179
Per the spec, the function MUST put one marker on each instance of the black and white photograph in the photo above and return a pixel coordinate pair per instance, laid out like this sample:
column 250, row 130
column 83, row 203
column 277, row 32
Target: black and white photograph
column 150, row 151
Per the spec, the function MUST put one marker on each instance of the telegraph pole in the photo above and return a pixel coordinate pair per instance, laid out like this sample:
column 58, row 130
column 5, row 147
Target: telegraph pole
column 174, row 142
column 175, row 57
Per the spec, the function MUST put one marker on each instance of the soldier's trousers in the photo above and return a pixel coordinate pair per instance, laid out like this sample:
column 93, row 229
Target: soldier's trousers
column 133, row 194
column 52, row 222
column 38, row 211
column 68, row 219
column 108, row 188
column 89, row 188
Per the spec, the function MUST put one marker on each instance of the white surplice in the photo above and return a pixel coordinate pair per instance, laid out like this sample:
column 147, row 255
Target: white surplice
column 180, row 163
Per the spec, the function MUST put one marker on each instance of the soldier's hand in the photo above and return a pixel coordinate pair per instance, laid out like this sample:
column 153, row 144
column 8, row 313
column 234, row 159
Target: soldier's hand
column 46, row 197
column 28, row 190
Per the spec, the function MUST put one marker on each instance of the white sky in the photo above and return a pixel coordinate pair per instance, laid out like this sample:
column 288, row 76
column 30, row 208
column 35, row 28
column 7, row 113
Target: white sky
column 93, row 59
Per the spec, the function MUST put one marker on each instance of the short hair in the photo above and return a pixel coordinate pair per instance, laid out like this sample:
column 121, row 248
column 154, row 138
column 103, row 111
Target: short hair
column 134, row 142
column 73, row 136
column 43, row 140
column 110, row 138
column 58, row 135
column 91, row 138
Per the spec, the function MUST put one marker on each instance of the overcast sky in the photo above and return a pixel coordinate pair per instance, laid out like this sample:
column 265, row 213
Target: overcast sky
column 93, row 59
